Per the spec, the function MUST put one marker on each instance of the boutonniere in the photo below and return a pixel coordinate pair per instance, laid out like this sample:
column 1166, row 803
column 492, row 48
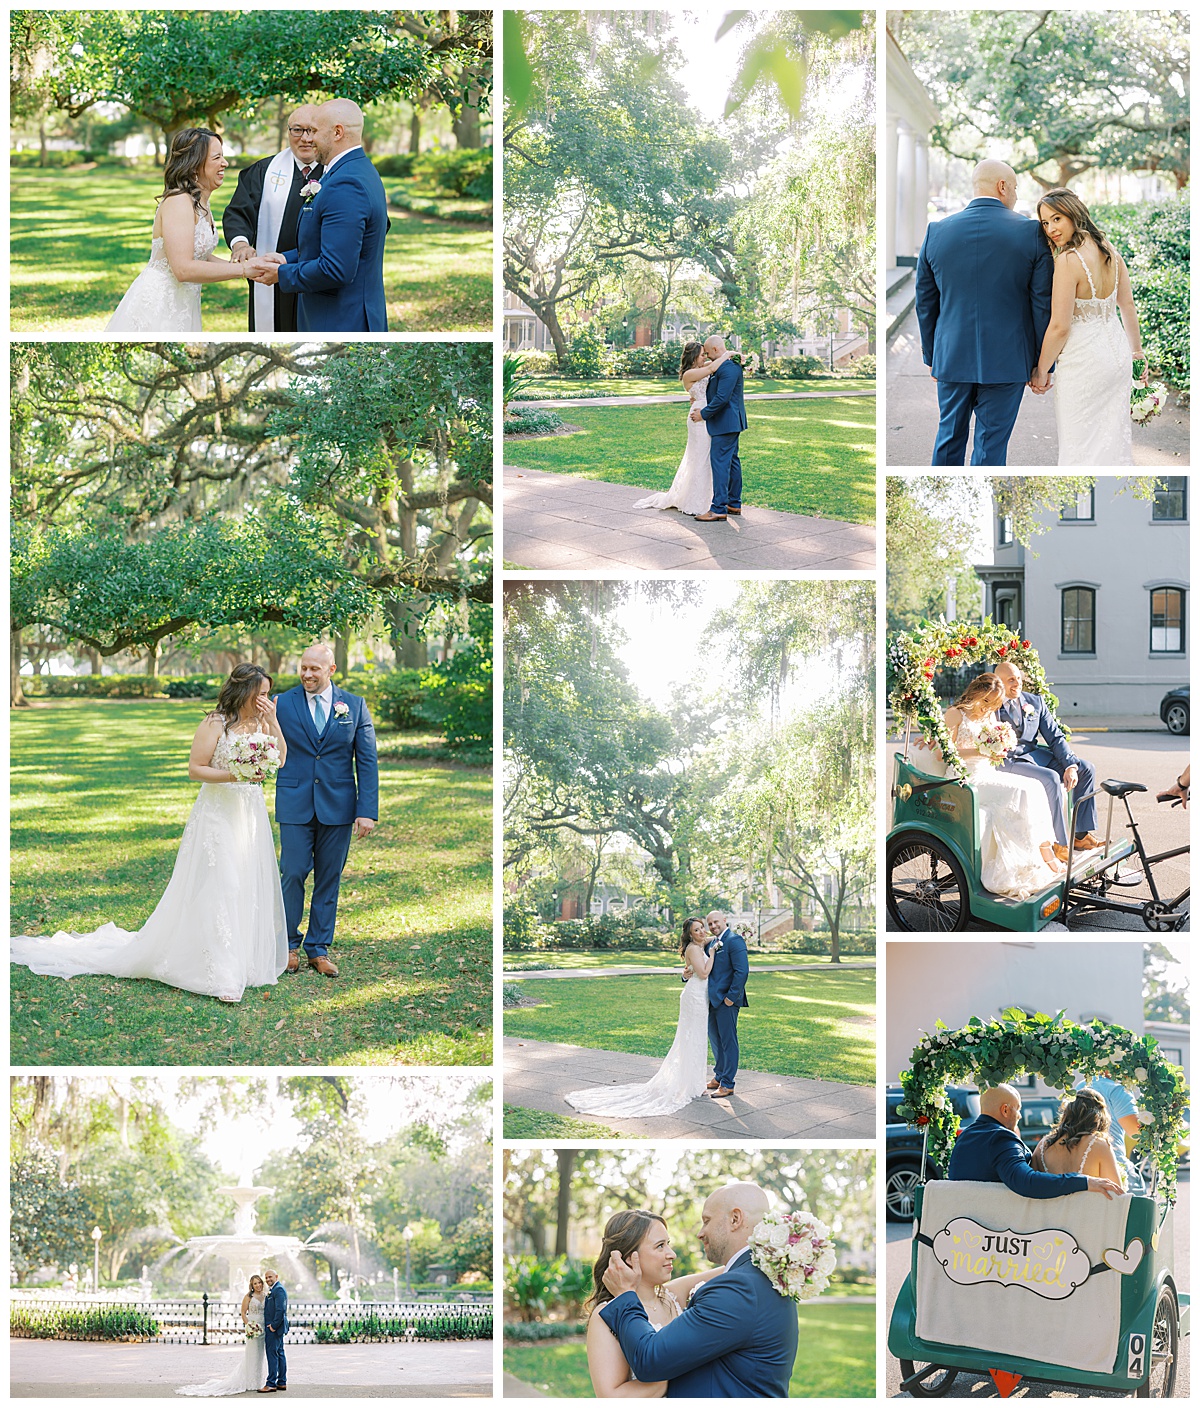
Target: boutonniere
column 1027, row 708
column 713, row 947
column 341, row 712
column 309, row 190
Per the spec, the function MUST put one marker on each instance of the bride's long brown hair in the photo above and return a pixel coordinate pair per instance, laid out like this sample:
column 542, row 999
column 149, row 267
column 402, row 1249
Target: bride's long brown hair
column 243, row 684
column 982, row 687
column 624, row 1232
column 186, row 155
column 1065, row 202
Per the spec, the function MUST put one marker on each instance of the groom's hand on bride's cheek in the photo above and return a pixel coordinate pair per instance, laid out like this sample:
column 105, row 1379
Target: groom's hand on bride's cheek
column 621, row 1275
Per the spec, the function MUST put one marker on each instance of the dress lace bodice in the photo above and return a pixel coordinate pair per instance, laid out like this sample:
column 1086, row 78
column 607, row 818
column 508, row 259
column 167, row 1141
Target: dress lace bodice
column 1094, row 310
column 254, row 1311
column 698, row 392
column 203, row 245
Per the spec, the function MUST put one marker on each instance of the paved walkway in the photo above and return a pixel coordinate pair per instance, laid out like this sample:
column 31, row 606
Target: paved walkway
column 911, row 418
column 563, row 522
column 518, row 1388
column 537, row 1074
column 86, row 1369
column 634, row 970
column 680, row 398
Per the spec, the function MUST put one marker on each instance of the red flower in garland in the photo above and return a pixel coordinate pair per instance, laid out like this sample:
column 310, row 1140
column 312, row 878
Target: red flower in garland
column 1025, row 644
column 922, row 1120
column 1003, row 650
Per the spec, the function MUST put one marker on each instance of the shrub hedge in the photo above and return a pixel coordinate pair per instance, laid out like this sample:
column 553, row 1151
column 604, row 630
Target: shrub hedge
column 529, row 421
column 463, row 172
column 108, row 1323
column 434, row 1325
column 537, row 1330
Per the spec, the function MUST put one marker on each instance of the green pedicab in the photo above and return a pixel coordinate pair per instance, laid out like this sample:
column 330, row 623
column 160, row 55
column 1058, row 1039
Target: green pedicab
column 1078, row 1290
column 933, row 855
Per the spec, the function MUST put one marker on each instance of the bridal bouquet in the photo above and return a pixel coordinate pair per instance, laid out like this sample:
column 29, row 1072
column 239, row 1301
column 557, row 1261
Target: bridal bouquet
column 253, row 757
column 996, row 741
column 252, row 1330
column 795, row 1252
column 1145, row 402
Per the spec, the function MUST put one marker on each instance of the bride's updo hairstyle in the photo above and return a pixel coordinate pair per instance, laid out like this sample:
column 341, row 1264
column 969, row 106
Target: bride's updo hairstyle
column 1065, row 202
column 691, row 355
column 243, row 684
column 983, row 693
column 686, row 937
column 186, row 155
column 1081, row 1114
column 624, row 1232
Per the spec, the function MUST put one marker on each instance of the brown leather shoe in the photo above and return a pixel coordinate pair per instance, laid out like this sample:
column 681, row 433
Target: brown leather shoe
column 721, row 1092
column 324, row 967
column 709, row 517
column 713, row 1085
column 1089, row 841
column 1059, row 851
column 293, row 960
column 734, row 512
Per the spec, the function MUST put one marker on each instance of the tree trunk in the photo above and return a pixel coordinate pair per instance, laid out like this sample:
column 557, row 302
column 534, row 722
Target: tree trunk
column 95, row 660
column 414, row 131
column 281, row 121
column 341, row 654
column 466, row 124
column 152, row 660
column 42, row 147
column 566, row 1166
column 17, row 698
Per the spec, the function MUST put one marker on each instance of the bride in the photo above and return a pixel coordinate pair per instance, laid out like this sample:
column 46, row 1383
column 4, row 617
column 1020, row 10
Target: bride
column 250, row 1372
column 1016, row 832
column 682, row 1077
column 165, row 296
column 691, row 489
column 220, row 926
column 662, row 1298
column 1093, row 348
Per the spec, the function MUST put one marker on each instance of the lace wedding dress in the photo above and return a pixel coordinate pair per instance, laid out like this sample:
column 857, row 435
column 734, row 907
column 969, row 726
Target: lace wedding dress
column 680, row 1079
column 1014, row 817
column 1092, row 381
column 220, row 926
column 691, row 489
column 156, row 301
column 249, row 1373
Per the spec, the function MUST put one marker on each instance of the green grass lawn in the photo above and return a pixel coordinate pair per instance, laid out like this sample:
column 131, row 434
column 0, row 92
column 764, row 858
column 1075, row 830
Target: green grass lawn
column 666, row 385
column 520, row 1123
column 811, row 457
column 527, row 962
column 836, row 1357
column 100, row 795
column 815, row 1024
column 79, row 238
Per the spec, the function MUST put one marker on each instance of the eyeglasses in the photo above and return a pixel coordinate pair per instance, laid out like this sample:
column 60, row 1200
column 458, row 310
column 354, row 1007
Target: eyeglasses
column 302, row 131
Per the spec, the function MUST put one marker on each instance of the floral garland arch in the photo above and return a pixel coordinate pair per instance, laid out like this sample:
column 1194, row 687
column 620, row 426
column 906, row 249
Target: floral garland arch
column 1055, row 1048
column 914, row 656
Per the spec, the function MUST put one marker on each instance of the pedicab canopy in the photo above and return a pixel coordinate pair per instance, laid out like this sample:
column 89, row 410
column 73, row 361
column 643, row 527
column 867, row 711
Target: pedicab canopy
column 992, row 1052
column 913, row 657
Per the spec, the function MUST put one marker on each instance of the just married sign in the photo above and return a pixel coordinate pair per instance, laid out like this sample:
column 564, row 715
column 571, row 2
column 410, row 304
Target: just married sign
column 1049, row 1262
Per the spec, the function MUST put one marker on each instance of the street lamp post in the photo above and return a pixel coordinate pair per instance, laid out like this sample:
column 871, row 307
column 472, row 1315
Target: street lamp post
column 409, row 1234
column 96, row 1235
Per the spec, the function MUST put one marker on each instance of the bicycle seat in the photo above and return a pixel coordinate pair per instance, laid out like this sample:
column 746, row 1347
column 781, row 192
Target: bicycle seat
column 1122, row 789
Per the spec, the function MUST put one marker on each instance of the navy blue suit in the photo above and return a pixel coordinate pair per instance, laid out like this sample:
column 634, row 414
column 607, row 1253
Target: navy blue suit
column 725, row 416
column 989, row 1152
column 727, row 979
column 1047, row 761
column 336, row 268
column 276, row 1326
column 736, row 1339
column 983, row 305
column 327, row 781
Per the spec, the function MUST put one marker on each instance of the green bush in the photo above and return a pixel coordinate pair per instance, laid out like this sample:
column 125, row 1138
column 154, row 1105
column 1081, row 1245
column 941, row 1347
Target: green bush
column 795, row 368
column 859, row 366
column 444, row 209
column 459, row 692
column 90, row 1323
column 399, row 165
column 659, row 359
column 521, row 1333
column 539, row 363
column 529, row 1284
column 523, row 927
column 428, row 1325
column 464, row 172
column 586, row 353
column 54, row 159
column 531, row 422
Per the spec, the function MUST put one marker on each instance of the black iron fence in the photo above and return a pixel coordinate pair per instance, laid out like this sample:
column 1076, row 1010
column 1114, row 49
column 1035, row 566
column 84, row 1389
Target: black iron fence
column 208, row 1321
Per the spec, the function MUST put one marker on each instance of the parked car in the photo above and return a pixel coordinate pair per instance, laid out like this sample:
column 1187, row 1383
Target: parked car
column 1038, row 1114
column 903, row 1147
column 1176, row 709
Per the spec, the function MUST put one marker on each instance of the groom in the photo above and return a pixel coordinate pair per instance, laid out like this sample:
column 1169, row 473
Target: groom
column 327, row 791
column 725, row 416
column 726, row 998
column 983, row 304
column 738, row 1336
column 336, row 269
column 275, row 1326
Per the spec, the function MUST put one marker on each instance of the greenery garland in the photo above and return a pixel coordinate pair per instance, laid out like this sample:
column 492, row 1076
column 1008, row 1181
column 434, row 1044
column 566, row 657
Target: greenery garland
column 993, row 1052
column 913, row 657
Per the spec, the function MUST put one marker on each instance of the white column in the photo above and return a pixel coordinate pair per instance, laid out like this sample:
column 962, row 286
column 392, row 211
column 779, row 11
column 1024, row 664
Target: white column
column 892, row 197
column 905, row 195
column 920, row 190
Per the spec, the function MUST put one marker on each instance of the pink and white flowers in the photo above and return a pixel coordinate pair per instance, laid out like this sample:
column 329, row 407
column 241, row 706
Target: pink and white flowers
column 996, row 741
column 254, row 757
column 795, row 1251
column 309, row 190
column 1145, row 402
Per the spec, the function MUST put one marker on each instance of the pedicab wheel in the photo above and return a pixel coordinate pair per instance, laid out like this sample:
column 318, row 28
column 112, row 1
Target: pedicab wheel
column 1164, row 1348
column 926, row 887
column 935, row 1385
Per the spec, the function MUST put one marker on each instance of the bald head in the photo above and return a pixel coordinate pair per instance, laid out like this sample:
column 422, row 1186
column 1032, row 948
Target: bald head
column 1010, row 677
column 1001, row 1102
column 716, row 922
column 995, row 179
column 728, row 1217
column 714, row 345
column 339, row 124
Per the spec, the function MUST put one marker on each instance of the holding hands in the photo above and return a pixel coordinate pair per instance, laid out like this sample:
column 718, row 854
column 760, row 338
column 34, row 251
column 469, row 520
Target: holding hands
column 1040, row 382
column 264, row 268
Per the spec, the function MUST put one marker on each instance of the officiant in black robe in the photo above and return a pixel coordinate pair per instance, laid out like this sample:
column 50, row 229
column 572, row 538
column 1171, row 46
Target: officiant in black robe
column 263, row 213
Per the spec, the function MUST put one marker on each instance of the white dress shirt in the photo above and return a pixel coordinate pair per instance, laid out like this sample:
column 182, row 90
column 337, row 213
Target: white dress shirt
column 339, row 156
column 326, row 698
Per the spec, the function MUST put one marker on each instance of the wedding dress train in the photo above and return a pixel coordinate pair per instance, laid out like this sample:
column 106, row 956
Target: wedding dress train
column 680, row 1079
column 249, row 1373
column 1092, row 382
column 218, row 929
column 691, row 489
column 156, row 302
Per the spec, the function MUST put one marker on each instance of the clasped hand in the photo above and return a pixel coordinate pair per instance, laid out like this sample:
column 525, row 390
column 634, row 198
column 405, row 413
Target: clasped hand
column 1040, row 382
column 264, row 268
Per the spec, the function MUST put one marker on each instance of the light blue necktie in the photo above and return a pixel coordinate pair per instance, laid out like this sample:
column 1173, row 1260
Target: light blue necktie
column 319, row 716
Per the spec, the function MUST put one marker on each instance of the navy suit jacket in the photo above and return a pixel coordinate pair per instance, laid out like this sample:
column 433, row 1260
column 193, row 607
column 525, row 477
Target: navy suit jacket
column 737, row 1338
column 983, row 294
column 725, row 413
column 275, row 1309
column 337, row 265
column 1040, row 725
column 332, row 778
column 989, row 1152
column 731, row 968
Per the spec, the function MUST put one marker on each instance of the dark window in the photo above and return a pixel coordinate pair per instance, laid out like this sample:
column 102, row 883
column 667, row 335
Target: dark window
column 1004, row 534
column 1081, row 509
column 1166, row 621
column 1079, row 621
column 1170, row 504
